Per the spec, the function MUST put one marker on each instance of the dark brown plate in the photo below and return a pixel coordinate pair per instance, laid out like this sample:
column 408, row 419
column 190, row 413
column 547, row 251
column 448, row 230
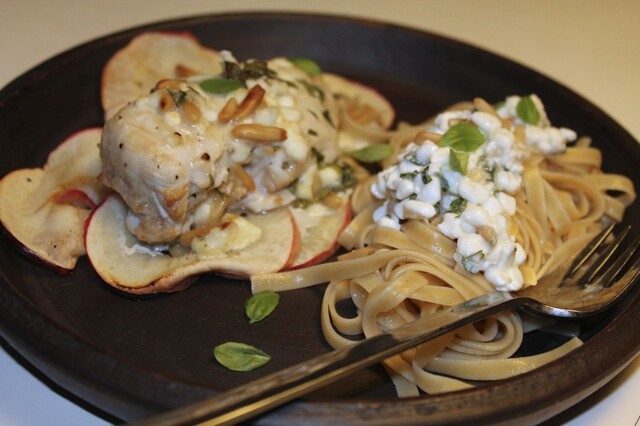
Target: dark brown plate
column 131, row 357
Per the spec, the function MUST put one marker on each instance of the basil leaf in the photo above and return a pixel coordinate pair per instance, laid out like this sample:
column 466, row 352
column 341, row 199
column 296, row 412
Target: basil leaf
column 261, row 305
column 307, row 65
column 458, row 161
column 527, row 111
column 372, row 153
column 462, row 137
column 220, row 86
column 239, row 356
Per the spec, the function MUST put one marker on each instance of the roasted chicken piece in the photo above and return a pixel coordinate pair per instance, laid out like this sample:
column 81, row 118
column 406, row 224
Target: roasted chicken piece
column 190, row 150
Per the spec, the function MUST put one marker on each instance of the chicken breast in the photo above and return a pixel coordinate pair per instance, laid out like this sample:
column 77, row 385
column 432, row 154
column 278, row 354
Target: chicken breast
column 191, row 150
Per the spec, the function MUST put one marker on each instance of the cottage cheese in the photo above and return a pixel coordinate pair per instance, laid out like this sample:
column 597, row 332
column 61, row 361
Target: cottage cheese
column 475, row 207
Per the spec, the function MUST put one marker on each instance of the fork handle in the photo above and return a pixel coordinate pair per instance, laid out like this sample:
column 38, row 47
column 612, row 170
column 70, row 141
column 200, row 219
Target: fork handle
column 256, row 397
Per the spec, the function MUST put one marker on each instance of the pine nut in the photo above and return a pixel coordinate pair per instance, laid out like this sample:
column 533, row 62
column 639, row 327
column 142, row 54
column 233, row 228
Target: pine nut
column 228, row 110
column 259, row 133
column 250, row 103
column 191, row 112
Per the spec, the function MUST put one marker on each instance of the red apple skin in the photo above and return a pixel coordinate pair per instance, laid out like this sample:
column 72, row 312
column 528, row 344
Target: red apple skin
column 331, row 245
column 76, row 198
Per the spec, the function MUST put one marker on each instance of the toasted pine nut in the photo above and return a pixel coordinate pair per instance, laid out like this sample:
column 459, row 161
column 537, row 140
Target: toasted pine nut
column 228, row 110
column 520, row 135
column 484, row 106
column 244, row 177
column 186, row 238
column 487, row 232
column 191, row 112
column 422, row 137
column 332, row 200
column 250, row 103
column 259, row 133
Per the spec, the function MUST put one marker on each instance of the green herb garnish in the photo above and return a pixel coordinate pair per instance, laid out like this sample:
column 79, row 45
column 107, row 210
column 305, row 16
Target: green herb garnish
column 444, row 185
column 347, row 177
column 458, row 161
column 408, row 176
column 219, row 86
column 462, row 137
column 239, row 356
column 261, row 305
column 426, row 177
column 457, row 206
column 307, row 65
column 372, row 153
column 527, row 111
column 178, row 97
column 313, row 90
column 467, row 261
column 327, row 116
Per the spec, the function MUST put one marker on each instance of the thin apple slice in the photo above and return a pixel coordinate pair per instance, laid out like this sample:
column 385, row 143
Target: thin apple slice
column 358, row 94
column 148, row 58
column 319, row 227
column 40, row 207
column 133, row 267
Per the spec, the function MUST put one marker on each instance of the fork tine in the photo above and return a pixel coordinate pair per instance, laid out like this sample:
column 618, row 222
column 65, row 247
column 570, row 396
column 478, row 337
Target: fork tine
column 608, row 277
column 592, row 271
column 588, row 251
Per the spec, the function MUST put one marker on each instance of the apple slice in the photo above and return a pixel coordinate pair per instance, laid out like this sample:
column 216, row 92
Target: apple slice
column 148, row 58
column 319, row 227
column 359, row 94
column 44, row 209
column 133, row 267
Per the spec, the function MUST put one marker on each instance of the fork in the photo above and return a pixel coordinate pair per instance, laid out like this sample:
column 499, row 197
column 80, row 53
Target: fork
column 585, row 287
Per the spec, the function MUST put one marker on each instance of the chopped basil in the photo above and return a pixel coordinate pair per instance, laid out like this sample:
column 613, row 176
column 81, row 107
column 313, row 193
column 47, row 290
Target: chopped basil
column 372, row 153
column 313, row 90
column 178, row 97
column 220, row 86
column 408, row 176
column 347, row 177
column 261, row 305
column 458, row 161
column 327, row 116
column 444, row 185
column 412, row 159
column 527, row 111
column 467, row 261
column 462, row 137
column 457, row 206
column 426, row 177
column 248, row 70
column 317, row 155
column 312, row 132
column 239, row 356
column 307, row 65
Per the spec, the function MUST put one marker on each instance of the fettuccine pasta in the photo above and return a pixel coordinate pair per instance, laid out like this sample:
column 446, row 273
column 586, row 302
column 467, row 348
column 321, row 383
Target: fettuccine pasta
column 409, row 254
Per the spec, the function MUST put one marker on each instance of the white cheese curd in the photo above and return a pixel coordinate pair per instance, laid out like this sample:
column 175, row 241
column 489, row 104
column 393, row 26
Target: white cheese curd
column 473, row 205
column 541, row 137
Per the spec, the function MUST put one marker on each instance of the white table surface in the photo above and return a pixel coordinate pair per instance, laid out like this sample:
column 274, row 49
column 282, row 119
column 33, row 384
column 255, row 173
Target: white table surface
column 591, row 46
